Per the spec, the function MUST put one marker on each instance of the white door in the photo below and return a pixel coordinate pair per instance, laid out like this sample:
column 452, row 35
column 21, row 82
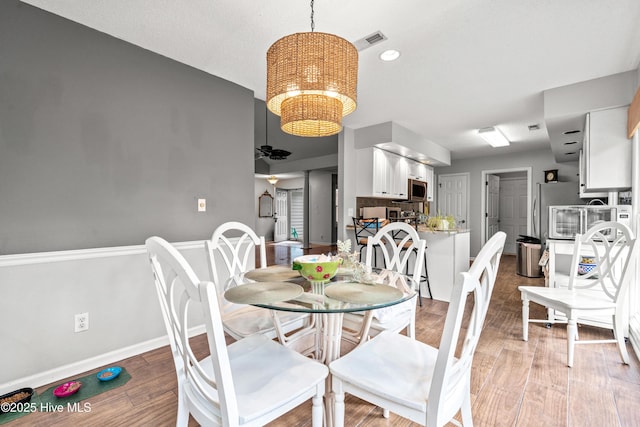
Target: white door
column 453, row 197
column 513, row 211
column 296, row 214
column 281, row 231
column 492, row 216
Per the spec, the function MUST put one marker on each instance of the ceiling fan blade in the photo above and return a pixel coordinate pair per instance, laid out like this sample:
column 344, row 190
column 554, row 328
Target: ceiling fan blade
column 265, row 149
column 277, row 154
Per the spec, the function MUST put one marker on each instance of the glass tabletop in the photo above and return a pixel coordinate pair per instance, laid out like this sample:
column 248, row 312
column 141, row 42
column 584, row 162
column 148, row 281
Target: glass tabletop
column 343, row 294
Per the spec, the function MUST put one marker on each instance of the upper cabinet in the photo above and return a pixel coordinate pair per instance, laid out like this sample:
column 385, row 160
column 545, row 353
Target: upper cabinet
column 385, row 174
column 381, row 174
column 430, row 183
column 417, row 170
column 606, row 158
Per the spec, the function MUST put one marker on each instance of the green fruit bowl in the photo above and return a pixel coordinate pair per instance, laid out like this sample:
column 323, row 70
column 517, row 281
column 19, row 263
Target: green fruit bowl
column 316, row 268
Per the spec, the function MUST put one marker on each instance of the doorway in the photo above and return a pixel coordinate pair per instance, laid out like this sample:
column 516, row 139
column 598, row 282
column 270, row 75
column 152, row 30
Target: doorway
column 506, row 205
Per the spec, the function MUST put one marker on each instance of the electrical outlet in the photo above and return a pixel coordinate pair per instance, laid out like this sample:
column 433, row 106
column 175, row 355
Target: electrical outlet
column 202, row 205
column 81, row 322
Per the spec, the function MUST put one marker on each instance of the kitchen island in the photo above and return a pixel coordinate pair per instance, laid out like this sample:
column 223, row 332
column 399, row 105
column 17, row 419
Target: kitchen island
column 448, row 253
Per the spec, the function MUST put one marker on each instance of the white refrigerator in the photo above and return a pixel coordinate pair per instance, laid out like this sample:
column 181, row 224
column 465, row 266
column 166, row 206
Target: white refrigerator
column 551, row 194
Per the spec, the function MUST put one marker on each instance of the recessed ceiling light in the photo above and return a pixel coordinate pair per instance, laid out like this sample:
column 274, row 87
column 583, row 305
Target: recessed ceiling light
column 570, row 142
column 389, row 55
column 569, row 132
column 534, row 127
column 570, row 153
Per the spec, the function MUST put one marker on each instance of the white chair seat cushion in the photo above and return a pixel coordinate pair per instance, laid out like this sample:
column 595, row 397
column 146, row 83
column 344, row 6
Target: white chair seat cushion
column 386, row 314
column 390, row 365
column 264, row 373
column 584, row 299
column 250, row 320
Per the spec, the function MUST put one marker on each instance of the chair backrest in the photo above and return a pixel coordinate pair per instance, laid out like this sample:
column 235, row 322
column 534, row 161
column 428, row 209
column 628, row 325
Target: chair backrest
column 398, row 242
column 611, row 247
column 180, row 293
column 452, row 375
column 365, row 227
column 235, row 243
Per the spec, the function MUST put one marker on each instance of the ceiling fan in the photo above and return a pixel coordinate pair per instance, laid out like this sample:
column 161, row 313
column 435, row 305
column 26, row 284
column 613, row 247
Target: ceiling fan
column 271, row 153
column 267, row 150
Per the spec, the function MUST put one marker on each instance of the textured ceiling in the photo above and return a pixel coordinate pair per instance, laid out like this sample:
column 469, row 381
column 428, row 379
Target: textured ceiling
column 464, row 64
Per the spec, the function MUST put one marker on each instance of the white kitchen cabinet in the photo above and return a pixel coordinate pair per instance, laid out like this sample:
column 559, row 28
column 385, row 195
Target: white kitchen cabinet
column 560, row 253
column 381, row 174
column 417, row 170
column 584, row 194
column 399, row 172
column 430, row 183
column 606, row 151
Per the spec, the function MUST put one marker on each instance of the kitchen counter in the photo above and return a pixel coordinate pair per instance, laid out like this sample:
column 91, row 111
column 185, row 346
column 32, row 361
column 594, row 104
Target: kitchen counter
column 448, row 253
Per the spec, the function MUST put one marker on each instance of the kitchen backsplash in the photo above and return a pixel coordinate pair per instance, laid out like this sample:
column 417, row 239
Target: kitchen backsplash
column 362, row 202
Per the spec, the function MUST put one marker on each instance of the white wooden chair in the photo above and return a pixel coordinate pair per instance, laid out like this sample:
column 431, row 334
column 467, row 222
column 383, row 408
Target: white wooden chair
column 424, row 384
column 232, row 245
column 601, row 291
column 249, row 383
column 398, row 242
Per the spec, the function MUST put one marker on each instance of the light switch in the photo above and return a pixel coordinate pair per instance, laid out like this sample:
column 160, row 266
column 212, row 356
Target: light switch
column 350, row 212
column 202, row 205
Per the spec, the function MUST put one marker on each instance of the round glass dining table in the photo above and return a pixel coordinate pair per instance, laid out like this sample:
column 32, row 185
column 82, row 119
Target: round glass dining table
column 272, row 288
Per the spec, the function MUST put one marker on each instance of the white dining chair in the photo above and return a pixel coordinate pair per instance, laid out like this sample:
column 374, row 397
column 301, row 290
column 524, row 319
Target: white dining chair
column 248, row 383
column 230, row 252
column 399, row 243
column 424, row 384
column 600, row 291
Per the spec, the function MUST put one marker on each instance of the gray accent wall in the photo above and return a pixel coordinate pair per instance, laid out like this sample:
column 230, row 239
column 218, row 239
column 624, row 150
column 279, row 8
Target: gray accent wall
column 103, row 143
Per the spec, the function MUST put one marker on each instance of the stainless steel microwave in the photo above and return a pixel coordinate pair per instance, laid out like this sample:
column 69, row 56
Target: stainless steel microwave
column 417, row 190
column 566, row 221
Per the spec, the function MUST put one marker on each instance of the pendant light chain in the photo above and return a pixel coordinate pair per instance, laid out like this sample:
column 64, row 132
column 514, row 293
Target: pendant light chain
column 313, row 24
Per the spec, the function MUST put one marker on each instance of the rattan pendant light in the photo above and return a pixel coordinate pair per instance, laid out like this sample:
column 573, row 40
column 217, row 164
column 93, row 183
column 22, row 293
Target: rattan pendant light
column 311, row 82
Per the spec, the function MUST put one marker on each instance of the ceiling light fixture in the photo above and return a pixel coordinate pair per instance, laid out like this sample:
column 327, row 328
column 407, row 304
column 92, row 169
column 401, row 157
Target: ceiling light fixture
column 272, row 180
column 494, row 137
column 390, row 55
column 311, row 82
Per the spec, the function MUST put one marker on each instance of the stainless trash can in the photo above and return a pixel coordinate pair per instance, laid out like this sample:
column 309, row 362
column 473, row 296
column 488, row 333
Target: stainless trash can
column 528, row 251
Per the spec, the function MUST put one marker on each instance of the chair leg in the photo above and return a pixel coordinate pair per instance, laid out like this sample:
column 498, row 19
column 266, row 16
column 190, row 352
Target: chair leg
column 426, row 276
column 385, row 412
column 465, row 410
column 525, row 319
column 338, row 403
column 572, row 331
column 317, row 408
column 619, row 336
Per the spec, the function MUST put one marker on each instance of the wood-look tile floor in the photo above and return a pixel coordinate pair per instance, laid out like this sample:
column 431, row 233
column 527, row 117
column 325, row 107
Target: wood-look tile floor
column 514, row 383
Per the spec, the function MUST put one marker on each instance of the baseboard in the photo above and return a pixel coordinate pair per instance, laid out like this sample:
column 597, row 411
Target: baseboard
column 81, row 366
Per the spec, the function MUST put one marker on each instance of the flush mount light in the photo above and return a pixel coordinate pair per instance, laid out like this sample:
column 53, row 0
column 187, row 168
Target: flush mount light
column 311, row 82
column 493, row 136
column 389, row 55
